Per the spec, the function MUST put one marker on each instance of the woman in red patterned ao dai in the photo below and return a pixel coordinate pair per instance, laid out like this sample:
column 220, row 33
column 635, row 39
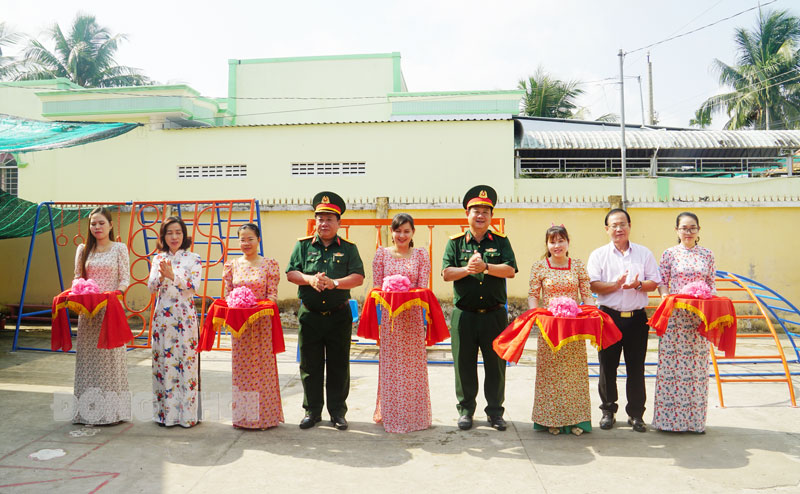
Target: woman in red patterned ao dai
column 561, row 401
column 404, row 401
column 101, row 375
column 681, row 400
column 256, row 389
column 175, row 278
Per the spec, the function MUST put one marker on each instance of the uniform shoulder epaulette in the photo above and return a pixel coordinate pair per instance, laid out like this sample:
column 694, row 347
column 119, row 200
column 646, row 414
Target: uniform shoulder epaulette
column 348, row 241
column 499, row 234
column 457, row 235
column 305, row 238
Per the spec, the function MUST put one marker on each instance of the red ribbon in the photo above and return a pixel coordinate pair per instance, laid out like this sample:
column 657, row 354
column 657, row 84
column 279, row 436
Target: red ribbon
column 590, row 324
column 397, row 302
column 114, row 332
column 717, row 318
column 238, row 320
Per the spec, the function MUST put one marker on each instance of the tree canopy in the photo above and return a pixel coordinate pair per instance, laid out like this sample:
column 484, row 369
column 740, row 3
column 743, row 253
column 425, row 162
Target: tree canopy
column 85, row 56
column 765, row 78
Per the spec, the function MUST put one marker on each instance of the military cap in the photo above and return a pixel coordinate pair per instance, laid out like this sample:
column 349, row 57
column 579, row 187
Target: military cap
column 328, row 202
column 480, row 195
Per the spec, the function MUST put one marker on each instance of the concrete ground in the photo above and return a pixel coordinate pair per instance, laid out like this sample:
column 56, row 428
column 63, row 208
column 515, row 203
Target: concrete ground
column 753, row 445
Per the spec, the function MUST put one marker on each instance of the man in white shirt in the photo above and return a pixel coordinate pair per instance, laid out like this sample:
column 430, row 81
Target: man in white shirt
column 621, row 273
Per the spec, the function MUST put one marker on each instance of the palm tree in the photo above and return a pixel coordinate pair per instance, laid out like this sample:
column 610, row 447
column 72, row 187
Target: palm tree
column 85, row 57
column 8, row 37
column 765, row 79
column 549, row 97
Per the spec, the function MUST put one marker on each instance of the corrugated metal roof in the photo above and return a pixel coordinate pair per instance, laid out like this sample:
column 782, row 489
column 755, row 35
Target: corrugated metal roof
column 403, row 118
column 661, row 139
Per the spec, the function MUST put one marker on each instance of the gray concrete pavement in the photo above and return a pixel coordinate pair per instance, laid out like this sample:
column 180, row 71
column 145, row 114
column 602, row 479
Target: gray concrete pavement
column 753, row 445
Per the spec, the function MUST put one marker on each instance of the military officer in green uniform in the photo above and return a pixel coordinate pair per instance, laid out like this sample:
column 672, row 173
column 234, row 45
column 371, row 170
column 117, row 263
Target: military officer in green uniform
column 325, row 267
column 478, row 262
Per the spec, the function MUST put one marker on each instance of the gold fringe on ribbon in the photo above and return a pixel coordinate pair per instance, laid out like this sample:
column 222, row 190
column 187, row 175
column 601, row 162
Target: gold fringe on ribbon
column 415, row 302
column 576, row 337
column 219, row 322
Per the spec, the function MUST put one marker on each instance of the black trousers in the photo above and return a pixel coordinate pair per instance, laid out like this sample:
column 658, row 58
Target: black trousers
column 325, row 346
column 633, row 346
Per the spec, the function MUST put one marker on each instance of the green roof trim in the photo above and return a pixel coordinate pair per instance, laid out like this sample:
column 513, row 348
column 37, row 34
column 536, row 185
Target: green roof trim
column 119, row 112
column 397, row 74
column 518, row 92
column 122, row 89
column 315, row 58
column 60, row 82
column 232, row 65
column 458, row 107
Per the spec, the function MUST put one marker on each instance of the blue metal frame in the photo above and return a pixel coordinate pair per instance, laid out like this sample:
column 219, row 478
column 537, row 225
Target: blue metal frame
column 147, row 238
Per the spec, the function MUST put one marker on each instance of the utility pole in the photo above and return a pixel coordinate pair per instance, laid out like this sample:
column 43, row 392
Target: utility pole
column 622, row 148
column 641, row 99
column 650, row 88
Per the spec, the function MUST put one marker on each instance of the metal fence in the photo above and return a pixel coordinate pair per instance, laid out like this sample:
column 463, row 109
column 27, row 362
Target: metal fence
column 648, row 167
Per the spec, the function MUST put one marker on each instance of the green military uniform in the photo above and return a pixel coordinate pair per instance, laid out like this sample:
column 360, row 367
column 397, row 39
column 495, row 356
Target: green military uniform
column 325, row 322
column 479, row 316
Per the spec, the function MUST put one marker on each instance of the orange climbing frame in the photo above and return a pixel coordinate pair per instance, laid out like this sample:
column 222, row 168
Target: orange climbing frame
column 209, row 223
column 499, row 224
column 740, row 287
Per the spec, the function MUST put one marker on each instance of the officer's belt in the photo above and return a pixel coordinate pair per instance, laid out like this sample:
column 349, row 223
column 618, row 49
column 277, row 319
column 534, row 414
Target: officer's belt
column 481, row 311
column 329, row 312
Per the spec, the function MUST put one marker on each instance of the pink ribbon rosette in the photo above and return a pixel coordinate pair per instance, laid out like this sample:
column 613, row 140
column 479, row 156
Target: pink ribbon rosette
column 82, row 286
column 697, row 289
column 396, row 283
column 563, row 307
column 241, row 297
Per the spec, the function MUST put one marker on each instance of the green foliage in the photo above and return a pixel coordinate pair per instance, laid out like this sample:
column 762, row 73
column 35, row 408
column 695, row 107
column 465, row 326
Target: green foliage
column 765, row 79
column 546, row 96
column 85, row 56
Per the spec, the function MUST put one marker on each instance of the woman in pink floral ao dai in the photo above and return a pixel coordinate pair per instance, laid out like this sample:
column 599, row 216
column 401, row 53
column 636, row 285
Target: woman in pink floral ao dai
column 256, row 389
column 561, row 402
column 101, row 375
column 681, row 401
column 404, row 401
column 175, row 278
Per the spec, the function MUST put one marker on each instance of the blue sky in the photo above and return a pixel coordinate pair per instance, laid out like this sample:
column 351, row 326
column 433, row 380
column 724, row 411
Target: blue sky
column 445, row 44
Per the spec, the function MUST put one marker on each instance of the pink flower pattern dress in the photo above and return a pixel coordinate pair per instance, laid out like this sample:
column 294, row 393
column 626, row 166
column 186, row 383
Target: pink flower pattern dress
column 101, row 376
column 561, row 397
column 256, row 389
column 681, row 400
column 176, row 364
column 404, row 401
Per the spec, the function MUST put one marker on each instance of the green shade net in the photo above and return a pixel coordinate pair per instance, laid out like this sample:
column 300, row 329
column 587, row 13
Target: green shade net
column 17, row 215
column 20, row 135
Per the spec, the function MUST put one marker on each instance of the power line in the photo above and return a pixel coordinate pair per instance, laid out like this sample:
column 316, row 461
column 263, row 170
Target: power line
column 699, row 28
column 749, row 86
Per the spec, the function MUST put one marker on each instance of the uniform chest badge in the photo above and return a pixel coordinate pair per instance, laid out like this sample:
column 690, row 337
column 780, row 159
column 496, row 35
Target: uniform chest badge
column 491, row 249
column 338, row 254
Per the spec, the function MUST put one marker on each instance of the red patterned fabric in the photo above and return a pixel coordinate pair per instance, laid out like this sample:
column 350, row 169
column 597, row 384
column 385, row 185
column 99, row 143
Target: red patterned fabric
column 590, row 324
column 115, row 331
column 238, row 320
column 396, row 303
column 717, row 314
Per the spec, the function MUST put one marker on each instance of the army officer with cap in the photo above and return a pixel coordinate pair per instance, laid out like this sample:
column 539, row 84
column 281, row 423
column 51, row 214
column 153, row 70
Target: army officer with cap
column 325, row 267
column 478, row 262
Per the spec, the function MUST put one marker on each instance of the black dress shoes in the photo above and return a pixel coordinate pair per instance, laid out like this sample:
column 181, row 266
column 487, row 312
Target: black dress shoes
column 497, row 422
column 465, row 422
column 607, row 421
column 339, row 422
column 637, row 424
column 309, row 421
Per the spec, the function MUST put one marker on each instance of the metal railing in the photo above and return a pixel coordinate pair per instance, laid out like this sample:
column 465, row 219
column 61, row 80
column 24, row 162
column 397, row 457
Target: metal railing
column 573, row 167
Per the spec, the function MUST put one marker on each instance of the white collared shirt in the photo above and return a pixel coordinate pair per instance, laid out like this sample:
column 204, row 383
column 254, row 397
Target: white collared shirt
column 607, row 264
